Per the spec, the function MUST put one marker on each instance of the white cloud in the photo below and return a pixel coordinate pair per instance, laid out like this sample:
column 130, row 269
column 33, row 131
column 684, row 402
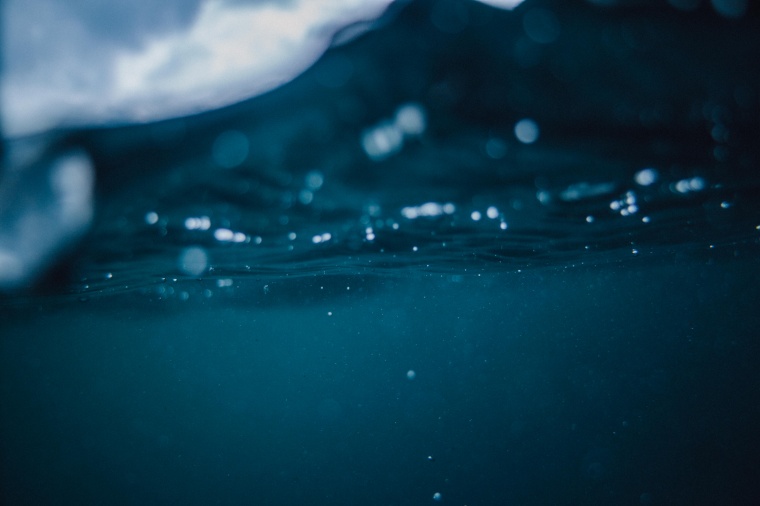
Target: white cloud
column 503, row 4
column 64, row 70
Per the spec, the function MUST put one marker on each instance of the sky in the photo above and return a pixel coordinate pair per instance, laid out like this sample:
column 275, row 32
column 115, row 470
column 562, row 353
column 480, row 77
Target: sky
column 88, row 62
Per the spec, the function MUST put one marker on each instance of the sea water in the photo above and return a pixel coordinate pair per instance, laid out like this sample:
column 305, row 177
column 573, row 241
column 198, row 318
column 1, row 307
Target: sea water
column 482, row 258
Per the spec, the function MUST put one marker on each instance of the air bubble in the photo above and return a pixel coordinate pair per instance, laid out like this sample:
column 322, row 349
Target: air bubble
column 193, row 261
column 526, row 131
column 230, row 149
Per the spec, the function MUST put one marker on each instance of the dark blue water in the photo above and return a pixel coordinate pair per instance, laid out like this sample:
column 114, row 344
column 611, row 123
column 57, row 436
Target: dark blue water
column 510, row 258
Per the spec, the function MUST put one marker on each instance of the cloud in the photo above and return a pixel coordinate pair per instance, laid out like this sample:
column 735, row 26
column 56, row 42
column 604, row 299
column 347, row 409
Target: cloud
column 92, row 63
column 84, row 62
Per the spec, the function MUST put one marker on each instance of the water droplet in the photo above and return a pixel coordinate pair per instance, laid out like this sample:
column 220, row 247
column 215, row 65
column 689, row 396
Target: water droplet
column 526, row 131
column 230, row 149
column 193, row 261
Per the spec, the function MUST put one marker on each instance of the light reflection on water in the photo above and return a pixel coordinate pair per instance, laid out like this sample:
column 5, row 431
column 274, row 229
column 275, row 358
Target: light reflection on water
column 459, row 155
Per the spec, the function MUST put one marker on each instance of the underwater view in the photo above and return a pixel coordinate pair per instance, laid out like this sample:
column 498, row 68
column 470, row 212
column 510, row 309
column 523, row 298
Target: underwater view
column 279, row 252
